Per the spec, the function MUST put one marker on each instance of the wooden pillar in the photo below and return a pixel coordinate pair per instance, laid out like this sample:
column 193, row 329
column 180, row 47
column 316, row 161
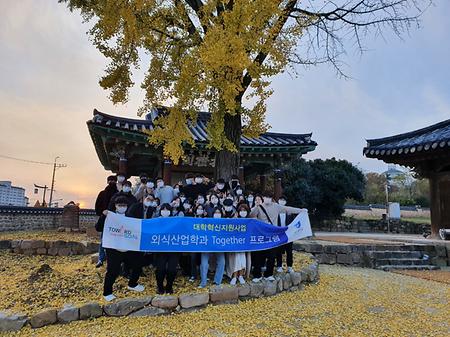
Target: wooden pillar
column 440, row 202
column 278, row 189
column 167, row 172
column 123, row 165
column 241, row 176
column 434, row 204
column 262, row 182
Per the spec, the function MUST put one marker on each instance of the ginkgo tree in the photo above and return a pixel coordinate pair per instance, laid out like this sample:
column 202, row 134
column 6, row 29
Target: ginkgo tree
column 222, row 54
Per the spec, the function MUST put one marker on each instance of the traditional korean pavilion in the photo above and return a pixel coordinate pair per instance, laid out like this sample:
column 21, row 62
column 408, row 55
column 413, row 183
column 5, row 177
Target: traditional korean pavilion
column 427, row 152
column 122, row 146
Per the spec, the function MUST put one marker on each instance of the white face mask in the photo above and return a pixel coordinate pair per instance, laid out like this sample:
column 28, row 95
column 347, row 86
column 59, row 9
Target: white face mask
column 119, row 187
column 243, row 214
column 217, row 215
column 220, row 186
column 238, row 192
column 150, row 184
column 176, row 204
column 126, row 189
column 160, row 183
column 176, row 190
column 267, row 200
column 198, row 180
column 148, row 203
column 120, row 179
column 214, row 201
column 200, row 201
column 282, row 202
column 189, row 181
column 228, row 208
column 186, row 206
column 182, row 199
column 165, row 213
column 199, row 212
column 121, row 209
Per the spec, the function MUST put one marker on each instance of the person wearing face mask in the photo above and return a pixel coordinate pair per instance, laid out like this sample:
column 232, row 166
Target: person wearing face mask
column 199, row 186
column 166, row 262
column 125, row 192
column 198, row 212
column 250, row 200
column 233, row 184
column 115, row 257
column 120, row 180
column 101, row 203
column 200, row 200
column 188, row 208
column 228, row 208
column 284, row 219
column 141, row 190
column 164, row 192
column 177, row 209
column 220, row 261
column 238, row 263
column 269, row 212
column 220, row 186
column 214, row 202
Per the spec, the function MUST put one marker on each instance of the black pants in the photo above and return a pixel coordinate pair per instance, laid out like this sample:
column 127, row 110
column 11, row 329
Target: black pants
column 166, row 268
column 281, row 250
column 261, row 258
column 114, row 259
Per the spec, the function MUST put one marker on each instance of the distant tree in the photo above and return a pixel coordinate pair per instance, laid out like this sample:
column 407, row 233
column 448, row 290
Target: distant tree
column 323, row 186
column 375, row 191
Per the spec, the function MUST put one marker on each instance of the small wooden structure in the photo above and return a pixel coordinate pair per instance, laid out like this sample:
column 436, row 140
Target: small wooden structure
column 122, row 147
column 427, row 152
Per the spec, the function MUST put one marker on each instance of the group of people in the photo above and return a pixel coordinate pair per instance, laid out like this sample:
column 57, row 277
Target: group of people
column 196, row 196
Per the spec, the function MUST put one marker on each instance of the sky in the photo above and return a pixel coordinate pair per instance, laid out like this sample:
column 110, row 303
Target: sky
column 49, row 88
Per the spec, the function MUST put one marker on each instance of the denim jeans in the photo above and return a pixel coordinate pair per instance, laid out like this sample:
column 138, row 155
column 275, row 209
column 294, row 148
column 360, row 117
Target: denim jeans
column 204, row 266
column 101, row 251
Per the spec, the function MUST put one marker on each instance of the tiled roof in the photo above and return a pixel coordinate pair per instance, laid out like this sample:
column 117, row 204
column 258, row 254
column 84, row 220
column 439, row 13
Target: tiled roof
column 426, row 140
column 198, row 131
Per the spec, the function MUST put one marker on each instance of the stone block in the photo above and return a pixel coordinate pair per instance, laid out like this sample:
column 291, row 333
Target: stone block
column 64, row 251
column 356, row 257
column 28, row 252
column 26, row 244
column 244, row 290
column 15, row 243
column 193, row 300
column 52, row 251
column 5, row 244
column 287, row 282
column 126, row 306
column 296, row 278
column 90, row 310
column 94, row 258
column 68, row 314
column 270, row 288
column 256, row 289
column 12, row 322
column 43, row 318
column 327, row 258
column 165, row 302
column 314, row 248
column 344, row 259
column 41, row 251
column 279, row 284
column 223, row 294
column 35, row 244
column 439, row 261
column 441, row 251
column 149, row 311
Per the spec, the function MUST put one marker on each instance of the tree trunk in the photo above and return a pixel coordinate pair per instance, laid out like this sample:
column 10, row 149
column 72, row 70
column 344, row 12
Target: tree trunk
column 227, row 162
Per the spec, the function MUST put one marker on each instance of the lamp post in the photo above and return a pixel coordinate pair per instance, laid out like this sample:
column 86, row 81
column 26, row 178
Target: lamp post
column 45, row 187
column 55, row 166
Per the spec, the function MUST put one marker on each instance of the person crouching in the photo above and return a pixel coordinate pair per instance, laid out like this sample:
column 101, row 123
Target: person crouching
column 114, row 258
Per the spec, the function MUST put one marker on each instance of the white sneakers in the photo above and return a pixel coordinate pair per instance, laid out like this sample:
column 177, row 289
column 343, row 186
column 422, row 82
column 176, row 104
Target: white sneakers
column 233, row 281
column 139, row 288
column 290, row 270
column 279, row 269
column 191, row 279
column 270, row 278
column 257, row 279
column 241, row 279
column 109, row 298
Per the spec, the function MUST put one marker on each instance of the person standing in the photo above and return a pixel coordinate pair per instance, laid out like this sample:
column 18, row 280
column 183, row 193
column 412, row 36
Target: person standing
column 238, row 263
column 283, row 221
column 269, row 212
column 165, row 193
column 166, row 262
column 220, row 261
column 125, row 192
column 101, row 203
column 115, row 257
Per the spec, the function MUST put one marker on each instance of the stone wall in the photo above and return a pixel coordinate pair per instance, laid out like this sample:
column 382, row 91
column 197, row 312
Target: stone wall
column 30, row 218
column 53, row 248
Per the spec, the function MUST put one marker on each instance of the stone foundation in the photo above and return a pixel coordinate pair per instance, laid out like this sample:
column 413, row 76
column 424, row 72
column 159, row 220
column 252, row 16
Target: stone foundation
column 53, row 248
